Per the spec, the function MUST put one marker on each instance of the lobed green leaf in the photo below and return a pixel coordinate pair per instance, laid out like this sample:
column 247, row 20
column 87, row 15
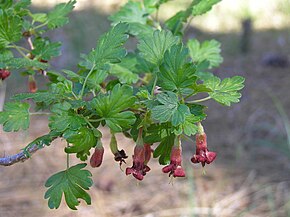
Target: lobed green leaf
column 153, row 47
column 71, row 183
column 225, row 92
column 207, row 51
column 15, row 116
column 10, row 28
column 109, row 49
column 111, row 107
column 58, row 16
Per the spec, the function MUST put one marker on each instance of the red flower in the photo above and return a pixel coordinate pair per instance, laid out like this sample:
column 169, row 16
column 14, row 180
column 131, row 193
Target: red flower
column 202, row 154
column 148, row 152
column 140, row 159
column 175, row 168
column 4, row 73
column 97, row 158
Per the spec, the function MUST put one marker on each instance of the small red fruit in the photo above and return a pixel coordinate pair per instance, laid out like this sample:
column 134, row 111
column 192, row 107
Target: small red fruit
column 4, row 73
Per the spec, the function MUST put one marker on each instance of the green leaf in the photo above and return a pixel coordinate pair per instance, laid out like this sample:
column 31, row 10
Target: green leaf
column 198, row 111
column 20, row 5
column 10, row 28
column 83, row 140
column 63, row 119
column 164, row 112
column 154, row 4
column 225, row 92
column 155, row 133
column 109, row 49
column 140, row 30
column 164, row 149
column 73, row 76
column 179, row 115
column 111, row 107
column 45, row 50
column 5, row 4
column 170, row 110
column 203, row 6
column 46, row 97
column 18, row 63
column 208, row 50
column 58, row 16
column 126, row 70
column 15, row 116
column 96, row 78
column 72, row 183
column 188, row 127
column 125, row 75
column 174, row 73
column 5, row 56
column 39, row 17
column 130, row 12
column 175, row 23
column 153, row 47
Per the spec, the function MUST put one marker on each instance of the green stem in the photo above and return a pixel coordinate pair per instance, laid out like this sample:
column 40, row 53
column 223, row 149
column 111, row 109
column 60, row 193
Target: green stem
column 75, row 96
column 199, row 100
column 85, row 82
column 88, row 122
column 41, row 25
column 19, row 47
column 19, row 50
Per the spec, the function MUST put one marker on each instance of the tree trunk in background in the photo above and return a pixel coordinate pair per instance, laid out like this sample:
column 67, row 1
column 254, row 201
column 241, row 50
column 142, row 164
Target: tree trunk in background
column 246, row 36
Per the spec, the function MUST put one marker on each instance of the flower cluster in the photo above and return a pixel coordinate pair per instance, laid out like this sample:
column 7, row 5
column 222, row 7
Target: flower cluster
column 143, row 151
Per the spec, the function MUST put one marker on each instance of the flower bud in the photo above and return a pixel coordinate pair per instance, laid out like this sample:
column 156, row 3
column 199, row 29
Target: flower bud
column 32, row 85
column 97, row 158
column 4, row 73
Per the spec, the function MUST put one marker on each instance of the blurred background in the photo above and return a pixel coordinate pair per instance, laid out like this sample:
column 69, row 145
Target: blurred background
column 251, row 175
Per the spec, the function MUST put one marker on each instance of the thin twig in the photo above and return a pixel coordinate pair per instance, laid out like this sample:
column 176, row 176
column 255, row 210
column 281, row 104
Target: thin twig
column 21, row 156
